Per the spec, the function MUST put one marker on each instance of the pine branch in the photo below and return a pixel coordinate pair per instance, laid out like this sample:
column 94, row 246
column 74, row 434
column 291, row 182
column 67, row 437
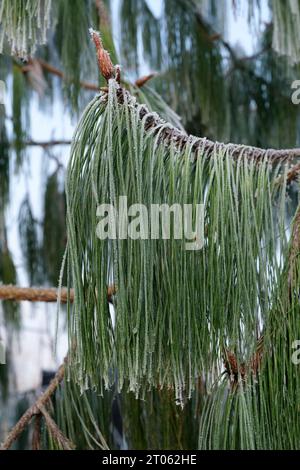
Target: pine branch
column 34, row 294
column 35, row 409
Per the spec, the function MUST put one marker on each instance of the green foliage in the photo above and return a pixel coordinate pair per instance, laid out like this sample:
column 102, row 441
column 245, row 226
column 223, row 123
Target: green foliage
column 197, row 300
column 25, row 24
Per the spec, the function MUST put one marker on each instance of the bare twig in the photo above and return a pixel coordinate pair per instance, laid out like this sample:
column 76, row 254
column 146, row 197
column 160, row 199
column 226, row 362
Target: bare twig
column 34, row 294
column 35, row 409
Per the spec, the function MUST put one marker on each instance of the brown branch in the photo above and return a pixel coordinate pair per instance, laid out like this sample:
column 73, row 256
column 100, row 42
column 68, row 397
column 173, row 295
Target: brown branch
column 103, row 14
column 140, row 82
column 236, row 370
column 34, row 294
column 35, row 409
